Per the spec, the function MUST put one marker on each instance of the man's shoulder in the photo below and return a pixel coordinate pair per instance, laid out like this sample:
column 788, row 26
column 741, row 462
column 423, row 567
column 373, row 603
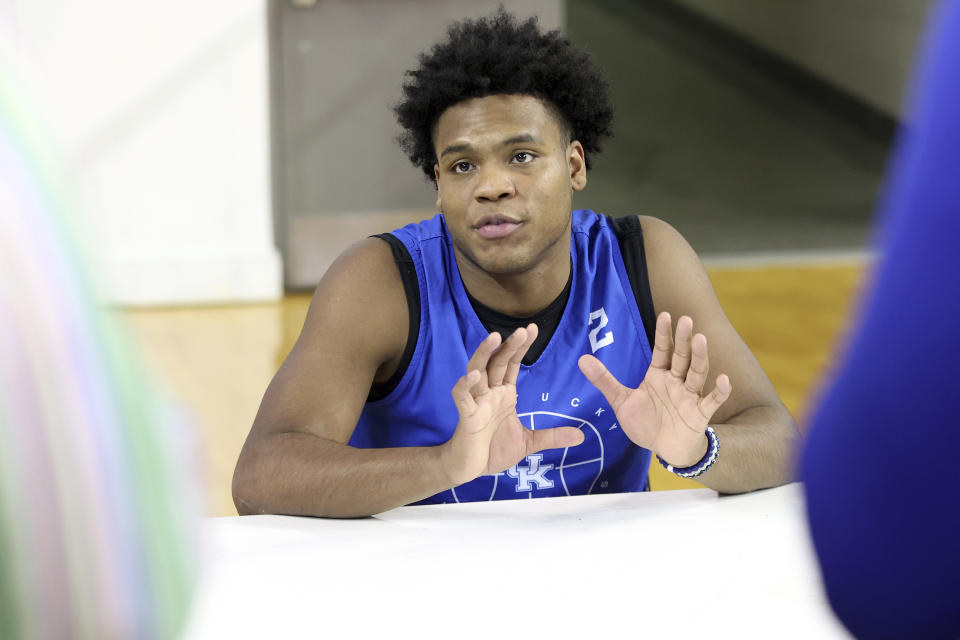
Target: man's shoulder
column 655, row 233
column 416, row 233
column 657, row 227
column 584, row 219
column 676, row 274
column 359, row 306
column 365, row 260
column 365, row 275
column 663, row 243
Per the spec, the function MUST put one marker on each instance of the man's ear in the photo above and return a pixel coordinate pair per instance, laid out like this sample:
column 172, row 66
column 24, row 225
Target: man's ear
column 577, row 161
column 436, row 183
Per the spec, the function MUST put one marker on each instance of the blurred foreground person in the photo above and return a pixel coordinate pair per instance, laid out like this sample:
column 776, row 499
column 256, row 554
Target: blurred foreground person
column 879, row 463
column 95, row 541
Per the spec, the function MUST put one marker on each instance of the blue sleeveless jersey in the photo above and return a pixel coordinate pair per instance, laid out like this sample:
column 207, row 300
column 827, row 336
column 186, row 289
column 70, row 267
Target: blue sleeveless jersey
column 601, row 317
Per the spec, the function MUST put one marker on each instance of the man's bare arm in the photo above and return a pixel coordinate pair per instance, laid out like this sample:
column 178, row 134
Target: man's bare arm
column 299, row 473
column 296, row 459
column 757, row 434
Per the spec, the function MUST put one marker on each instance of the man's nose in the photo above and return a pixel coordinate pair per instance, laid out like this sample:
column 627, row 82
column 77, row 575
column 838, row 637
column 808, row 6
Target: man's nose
column 494, row 183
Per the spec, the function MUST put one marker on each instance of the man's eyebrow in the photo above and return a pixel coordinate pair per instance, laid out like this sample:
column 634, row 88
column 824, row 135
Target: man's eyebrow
column 455, row 148
column 517, row 139
column 523, row 137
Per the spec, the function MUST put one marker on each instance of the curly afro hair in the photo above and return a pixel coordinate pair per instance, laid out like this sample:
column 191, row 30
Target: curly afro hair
column 502, row 55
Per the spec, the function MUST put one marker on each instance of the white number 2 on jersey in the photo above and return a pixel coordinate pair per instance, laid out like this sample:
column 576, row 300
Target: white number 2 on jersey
column 607, row 338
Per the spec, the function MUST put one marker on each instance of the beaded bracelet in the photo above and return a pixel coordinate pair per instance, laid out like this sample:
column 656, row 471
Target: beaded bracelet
column 713, row 450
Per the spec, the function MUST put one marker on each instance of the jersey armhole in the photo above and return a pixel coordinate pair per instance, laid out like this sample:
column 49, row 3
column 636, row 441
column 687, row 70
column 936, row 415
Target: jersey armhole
column 629, row 234
column 411, row 287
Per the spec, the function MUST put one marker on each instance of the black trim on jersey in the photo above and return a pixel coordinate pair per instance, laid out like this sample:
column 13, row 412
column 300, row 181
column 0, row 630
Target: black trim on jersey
column 411, row 286
column 630, row 240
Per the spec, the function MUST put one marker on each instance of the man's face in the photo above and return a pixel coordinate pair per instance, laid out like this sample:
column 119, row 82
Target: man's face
column 505, row 179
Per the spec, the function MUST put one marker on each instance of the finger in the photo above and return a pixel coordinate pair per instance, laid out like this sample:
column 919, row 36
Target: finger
column 466, row 405
column 710, row 403
column 602, row 379
column 699, row 365
column 478, row 361
column 513, row 368
column 681, row 350
column 503, row 356
column 554, row 438
column 662, row 342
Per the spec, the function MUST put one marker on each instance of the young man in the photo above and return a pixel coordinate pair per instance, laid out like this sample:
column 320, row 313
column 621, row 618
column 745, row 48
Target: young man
column 483, row 354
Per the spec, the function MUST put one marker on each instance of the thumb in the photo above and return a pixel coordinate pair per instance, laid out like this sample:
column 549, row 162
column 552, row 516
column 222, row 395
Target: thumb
column 603, row 380
column 553, row 438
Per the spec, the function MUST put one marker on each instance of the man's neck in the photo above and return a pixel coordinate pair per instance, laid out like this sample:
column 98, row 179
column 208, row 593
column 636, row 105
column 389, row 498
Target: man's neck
column 520, row 295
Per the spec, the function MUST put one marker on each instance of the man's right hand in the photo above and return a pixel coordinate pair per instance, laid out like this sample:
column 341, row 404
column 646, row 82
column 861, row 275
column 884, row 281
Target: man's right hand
column 490, row 438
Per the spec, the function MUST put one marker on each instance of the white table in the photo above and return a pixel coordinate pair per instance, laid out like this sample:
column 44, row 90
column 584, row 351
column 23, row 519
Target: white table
column 678, row 564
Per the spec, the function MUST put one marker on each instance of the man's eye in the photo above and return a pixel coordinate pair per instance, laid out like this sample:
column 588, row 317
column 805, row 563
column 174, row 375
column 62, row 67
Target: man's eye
column 462, row 167
column 523, row 157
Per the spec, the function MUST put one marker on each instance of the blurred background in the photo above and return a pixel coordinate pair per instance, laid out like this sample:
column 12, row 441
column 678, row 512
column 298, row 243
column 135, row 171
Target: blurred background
column 221, row 154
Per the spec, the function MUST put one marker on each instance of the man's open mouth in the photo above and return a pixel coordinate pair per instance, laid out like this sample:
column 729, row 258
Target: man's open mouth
column 496, row 226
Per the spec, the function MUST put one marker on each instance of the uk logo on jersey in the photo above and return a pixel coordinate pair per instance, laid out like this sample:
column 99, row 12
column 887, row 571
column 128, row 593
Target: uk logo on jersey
column 534, row 472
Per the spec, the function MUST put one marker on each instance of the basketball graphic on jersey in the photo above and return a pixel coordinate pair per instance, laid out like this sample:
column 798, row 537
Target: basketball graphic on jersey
column 553, row 472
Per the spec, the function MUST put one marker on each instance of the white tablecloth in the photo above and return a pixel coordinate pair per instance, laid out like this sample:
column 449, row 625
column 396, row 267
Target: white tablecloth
column 677, row 564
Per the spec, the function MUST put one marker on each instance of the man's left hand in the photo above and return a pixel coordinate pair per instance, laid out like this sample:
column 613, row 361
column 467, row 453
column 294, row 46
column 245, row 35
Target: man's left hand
column 668, row 412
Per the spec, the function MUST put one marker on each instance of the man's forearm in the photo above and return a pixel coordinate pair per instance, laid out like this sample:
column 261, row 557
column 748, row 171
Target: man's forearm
column 301, row 474
column 756, row 451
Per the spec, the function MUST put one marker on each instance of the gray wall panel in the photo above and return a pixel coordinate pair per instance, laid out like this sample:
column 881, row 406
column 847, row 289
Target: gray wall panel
column 865, row 47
